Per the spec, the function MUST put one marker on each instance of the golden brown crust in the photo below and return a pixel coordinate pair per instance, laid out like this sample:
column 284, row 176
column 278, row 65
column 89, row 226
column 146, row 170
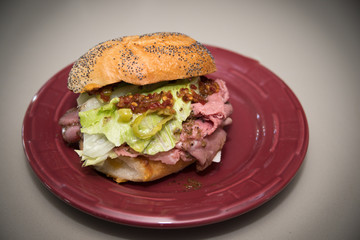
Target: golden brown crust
column 139, row 169
column 140, row 60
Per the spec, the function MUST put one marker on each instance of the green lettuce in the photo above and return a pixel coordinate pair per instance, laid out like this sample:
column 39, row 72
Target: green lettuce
column 96, row 149
column 161, row 131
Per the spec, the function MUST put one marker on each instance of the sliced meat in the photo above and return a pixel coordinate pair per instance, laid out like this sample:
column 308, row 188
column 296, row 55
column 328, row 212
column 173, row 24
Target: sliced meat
column 215, row 111
column 71, row 133
column 168, row 157
column 196, row 129
column 224, row 92
column 70, row 123
column 71, row 117
column 204, row 150
column 213, row 105
column 171, row 157
column 211, row 115
column 212, row 108
column 125, row 151
column 202, row 127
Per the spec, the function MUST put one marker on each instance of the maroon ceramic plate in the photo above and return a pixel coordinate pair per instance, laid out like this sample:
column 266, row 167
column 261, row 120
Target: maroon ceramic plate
column 266, row 145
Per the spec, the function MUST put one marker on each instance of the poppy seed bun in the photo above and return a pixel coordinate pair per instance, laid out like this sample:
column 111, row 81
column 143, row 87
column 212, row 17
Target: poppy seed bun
column 140, row 60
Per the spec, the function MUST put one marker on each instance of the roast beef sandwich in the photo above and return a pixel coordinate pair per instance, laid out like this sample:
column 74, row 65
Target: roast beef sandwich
column 145, row 107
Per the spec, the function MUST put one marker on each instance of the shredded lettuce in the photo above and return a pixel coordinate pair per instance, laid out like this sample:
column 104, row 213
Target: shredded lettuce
column 96, row 149
column 90, row 103
column 103, row 128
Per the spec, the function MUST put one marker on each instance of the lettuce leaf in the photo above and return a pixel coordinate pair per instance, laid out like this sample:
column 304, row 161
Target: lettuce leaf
column 96, row 149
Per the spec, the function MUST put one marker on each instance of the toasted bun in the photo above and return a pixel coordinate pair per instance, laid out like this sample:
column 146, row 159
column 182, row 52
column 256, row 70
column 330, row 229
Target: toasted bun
column 140, row 60
column 138, row 169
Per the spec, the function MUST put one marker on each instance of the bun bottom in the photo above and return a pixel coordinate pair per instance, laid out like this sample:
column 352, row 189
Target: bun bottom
column 139, row 169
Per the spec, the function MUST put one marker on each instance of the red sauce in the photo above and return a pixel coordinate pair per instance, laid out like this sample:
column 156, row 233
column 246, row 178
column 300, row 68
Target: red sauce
column 206, row 88
column 140, row 103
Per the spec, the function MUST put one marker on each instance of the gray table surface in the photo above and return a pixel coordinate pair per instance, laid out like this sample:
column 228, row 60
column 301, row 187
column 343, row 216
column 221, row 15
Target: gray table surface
column 312, row 45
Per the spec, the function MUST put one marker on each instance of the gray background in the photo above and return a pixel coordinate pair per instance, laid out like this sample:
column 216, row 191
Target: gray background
column 312, row 45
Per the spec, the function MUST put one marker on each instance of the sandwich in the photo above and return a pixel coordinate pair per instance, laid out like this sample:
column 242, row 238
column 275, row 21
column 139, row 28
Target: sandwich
column 146, row 108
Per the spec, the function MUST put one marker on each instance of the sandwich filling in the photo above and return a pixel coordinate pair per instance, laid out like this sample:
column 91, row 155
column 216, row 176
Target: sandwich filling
column 165, row 121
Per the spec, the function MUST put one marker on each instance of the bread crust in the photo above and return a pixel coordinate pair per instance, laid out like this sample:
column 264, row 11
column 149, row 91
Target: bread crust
column 140, row 60
column 139, row 169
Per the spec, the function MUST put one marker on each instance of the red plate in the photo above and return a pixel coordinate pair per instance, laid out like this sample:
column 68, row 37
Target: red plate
column 266, row 145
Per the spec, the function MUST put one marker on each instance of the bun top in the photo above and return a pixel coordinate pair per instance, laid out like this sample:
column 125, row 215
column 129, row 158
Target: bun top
column 140, row 60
